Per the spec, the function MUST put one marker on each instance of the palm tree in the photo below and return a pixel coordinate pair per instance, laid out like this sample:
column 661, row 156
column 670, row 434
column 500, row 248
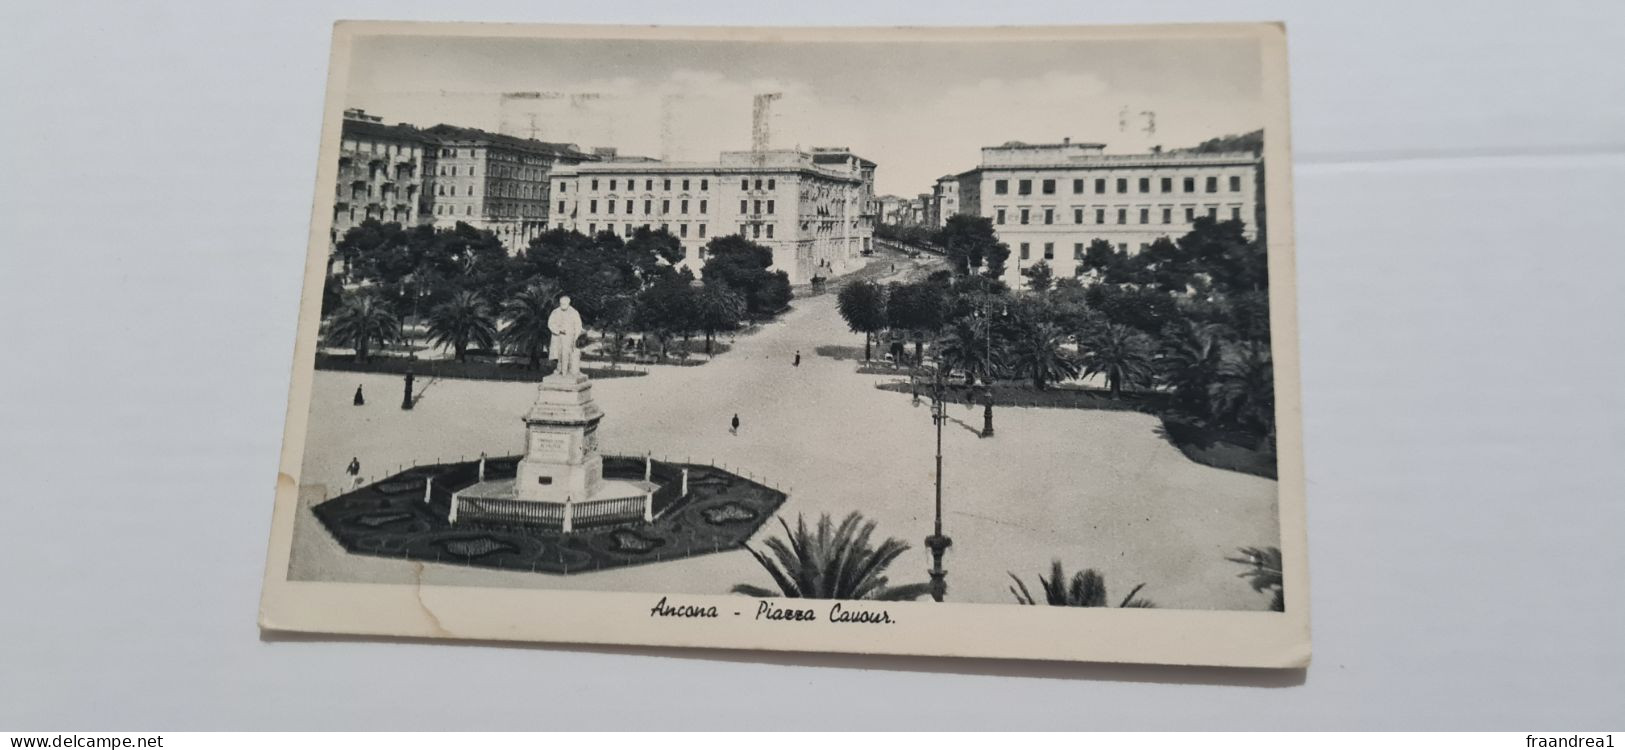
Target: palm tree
column 1263, row 572
column 527, row 313
column 1120, row 353
column 1088, row 589
column 1037, row 353
column 360, row 322
column 970, row 348
column 1189, row 364
column 835, row 562
column 464, row 319
column 1245, row 391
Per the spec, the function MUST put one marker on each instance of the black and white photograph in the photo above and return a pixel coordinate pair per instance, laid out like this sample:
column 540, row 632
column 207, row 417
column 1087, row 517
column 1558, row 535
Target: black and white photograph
column 899, row 319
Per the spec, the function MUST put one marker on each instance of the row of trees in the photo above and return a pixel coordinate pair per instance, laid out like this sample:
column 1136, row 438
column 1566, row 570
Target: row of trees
column 1187, row 316
column 471, row 294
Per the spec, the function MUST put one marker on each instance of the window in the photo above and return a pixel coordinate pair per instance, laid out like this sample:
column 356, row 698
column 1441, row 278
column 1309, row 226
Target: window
column 665, row 184
column 1213, row 184
column 685, row 184
column 744, row 206
column 1048, row 186
column 610, row 204
column 1077, row 251
column 592, row 229
column 702, row 206
column 1145, row 184
column 682, row 206
column 682, row 230
column 1077, row 216
column 756, row 231
column 1190, row 214
column 770, row 231
column 1122, row 247
column 453, row 171
column 998, row 217
column 1235, row 183
column 757, row 205
column 648, row 184
column 1145, row 216
column 564, row 187
column 770, row 186
column 758, row 187
column 704, row 185
column 702, row 228
column 1235, row 213
column 1049, row 216
column 612, row 186
column 1049, row 251
column 1024, row 187
column 1024, row 215
column 470, row 189
column 744, row 185
column 742, row 229
column 770, row 206
column 592, row 206
column 648, row 206
column 665, row 206
column 1190, row 184
column 1100, row 185
column 1122, row 216
column 629, row 205
column 594, row 182
column 1026, row 251
column 1001, row 187
column 1122, row 184
column 1213, row 212
column 629, row 230
column 1100, row 216
column 1077, row 186
column 1167, row 216
column 1144, row 246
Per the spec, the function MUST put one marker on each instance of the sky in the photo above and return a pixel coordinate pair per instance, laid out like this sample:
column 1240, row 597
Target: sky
column 918, row 109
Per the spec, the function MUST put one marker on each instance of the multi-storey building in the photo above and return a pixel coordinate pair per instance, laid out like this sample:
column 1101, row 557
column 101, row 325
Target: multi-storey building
column 492, row 181
column 380, row 173
column 944, row 199
column 1049, row 201
column 811, row 209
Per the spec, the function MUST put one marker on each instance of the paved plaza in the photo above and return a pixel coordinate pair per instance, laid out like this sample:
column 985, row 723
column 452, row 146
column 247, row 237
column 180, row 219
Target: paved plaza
column 1094, row 489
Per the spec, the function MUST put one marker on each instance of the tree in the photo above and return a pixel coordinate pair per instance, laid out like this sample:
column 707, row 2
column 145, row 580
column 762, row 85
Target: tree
column 527, row 314
column 971, row 243
column 743, row 265
column 657, row 242
column 1100, row 255
column 1036, row 352
column 1263, row 573
column 1087, row 589
column 920, row 308
column 1040, row 277
column 1120, row 353
column 463, row 320
column 1245, row 392
column 667, row 309
column 835, row 562
column 1188, row 363
column 718, row 308
column 617, row 318
column 362, row 321
column 863, row 307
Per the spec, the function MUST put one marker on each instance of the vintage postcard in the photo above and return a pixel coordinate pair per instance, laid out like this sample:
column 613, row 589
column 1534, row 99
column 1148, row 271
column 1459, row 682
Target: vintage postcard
column 951, row 342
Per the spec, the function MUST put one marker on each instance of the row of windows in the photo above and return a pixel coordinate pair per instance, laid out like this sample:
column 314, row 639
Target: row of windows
column 1025, row 215
column 1047, row 187
column 666, row 184
column 629, row 229
column 648, row 206
column 1077, row 250
column 374, row 147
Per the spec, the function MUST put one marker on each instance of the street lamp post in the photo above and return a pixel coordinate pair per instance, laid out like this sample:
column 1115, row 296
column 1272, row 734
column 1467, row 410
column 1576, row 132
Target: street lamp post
column 938, row 543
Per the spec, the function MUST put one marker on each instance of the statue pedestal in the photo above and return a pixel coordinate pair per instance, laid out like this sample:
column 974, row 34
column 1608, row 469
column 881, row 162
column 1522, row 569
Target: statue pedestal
column 561, row 462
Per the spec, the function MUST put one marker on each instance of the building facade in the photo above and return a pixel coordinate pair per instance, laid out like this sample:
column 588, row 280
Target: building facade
column 812, row 209
column 381, row 172
column 1049, row 201
column 944, row 199
column 490, row 181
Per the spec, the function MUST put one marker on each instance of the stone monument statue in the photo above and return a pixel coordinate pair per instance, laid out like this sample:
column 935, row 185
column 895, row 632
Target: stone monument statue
column 565, row 324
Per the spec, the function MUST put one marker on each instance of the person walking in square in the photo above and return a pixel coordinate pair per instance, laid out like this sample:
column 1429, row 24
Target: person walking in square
column 798, row 358
column 354, row 470
column 735, row 428
column 360, row 400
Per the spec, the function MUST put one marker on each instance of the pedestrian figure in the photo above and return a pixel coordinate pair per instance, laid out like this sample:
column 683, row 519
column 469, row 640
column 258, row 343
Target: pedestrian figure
column 798, row 358
column 359, row 399
column 354, row 470
column 406, row 398
column 735, row 429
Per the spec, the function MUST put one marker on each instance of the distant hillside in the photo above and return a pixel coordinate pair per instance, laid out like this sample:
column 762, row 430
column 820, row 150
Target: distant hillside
column 1250, row 142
